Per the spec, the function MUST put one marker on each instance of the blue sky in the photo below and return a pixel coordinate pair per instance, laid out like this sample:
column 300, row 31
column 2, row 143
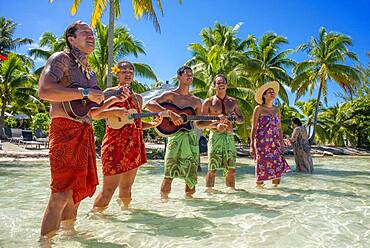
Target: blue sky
column 181, row 24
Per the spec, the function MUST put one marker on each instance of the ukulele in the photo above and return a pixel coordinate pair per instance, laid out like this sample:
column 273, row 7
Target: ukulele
column 119, row 122
column 81, row 107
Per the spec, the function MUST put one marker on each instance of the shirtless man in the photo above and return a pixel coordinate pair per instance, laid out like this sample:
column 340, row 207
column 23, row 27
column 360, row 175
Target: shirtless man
column 181, row 158
column 221, row 146
column 72, row 149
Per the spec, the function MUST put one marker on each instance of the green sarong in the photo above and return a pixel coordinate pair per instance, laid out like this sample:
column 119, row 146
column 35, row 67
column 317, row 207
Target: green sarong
column 181, row 158
column 221, row 151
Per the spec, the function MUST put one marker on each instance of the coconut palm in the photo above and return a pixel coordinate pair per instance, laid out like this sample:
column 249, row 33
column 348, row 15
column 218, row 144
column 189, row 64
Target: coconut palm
column 307, row 110
column 328, row 53
column 287, row 113
column 49, row 43
column 221, row 52
column 7, row 41
column 332, row 128
column 124, row 44
column 15, row 85
column 141, row 7
column 269, row 62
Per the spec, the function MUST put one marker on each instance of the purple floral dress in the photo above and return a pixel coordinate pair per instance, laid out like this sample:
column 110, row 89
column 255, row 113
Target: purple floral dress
column 269, row 158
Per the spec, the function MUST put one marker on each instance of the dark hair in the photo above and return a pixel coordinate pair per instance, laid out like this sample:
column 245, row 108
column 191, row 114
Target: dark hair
column 181, row 70
column 297, row 121
column 123, row 62
column 219, row 75
column 71, row 31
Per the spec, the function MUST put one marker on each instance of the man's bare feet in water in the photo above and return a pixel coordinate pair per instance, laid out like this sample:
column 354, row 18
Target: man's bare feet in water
column 124, row 203
column 45, row 240
column 165, row 188
column 189, row 192
column 164, row 197
column 209, row 190
column 189, row 195
column 96, row 209
column 230, row 189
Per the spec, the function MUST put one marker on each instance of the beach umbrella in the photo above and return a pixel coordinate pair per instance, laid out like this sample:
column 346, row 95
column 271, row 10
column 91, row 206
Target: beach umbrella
column 20, row 116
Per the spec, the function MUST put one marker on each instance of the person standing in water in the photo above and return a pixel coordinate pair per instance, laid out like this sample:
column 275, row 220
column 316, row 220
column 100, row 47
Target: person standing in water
column 123, row 150
column 267, row 144
column 221, row 145
column 181, row 158
column 301, row 147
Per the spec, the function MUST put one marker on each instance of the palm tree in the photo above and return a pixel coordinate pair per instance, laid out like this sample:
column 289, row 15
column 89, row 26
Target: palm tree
column 332, row 126
column 49, row 43
column 307, row 110
column 124, row 44
column 7, row 42
column 220, row 53
column 223, row 53
column 327, row 52
column 14, row 85
column 141, row 7
column 287, row 113
column 269, row 61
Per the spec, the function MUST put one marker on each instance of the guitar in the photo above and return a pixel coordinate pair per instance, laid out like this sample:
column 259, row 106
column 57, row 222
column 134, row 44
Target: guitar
column 80, row 108
column 118, row 122
column 188, row 114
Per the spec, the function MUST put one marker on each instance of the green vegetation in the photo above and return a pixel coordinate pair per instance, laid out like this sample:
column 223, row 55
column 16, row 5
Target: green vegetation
column 247, row 64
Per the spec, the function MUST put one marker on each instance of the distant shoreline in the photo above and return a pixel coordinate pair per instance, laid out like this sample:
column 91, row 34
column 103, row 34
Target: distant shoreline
column 15, row 153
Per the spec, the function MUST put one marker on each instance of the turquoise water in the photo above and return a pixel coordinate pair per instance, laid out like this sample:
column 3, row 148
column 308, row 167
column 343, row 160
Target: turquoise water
column 330, row 208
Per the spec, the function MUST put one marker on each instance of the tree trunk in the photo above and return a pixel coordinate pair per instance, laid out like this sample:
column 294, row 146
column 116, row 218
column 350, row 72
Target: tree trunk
column 2, row 118
column 110, row 42
column 312, row 138
column 359, row 139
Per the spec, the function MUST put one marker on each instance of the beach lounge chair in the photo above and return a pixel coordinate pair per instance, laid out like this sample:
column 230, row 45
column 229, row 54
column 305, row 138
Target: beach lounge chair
column 40, row 136
column 7, row 133
column 16, row 135
column 27, row 139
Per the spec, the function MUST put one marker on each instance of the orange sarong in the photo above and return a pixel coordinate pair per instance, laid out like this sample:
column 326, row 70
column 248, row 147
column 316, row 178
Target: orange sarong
column 72, row 158
column 123, row 149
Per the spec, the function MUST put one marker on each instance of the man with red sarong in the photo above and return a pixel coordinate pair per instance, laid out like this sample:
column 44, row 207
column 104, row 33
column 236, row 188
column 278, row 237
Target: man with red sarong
column 72, row 148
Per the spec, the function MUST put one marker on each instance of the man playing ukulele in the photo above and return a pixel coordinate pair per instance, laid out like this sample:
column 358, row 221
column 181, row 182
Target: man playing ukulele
column 72, row 147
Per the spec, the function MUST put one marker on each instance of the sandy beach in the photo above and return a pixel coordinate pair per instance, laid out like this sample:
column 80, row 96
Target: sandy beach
column 13, row 152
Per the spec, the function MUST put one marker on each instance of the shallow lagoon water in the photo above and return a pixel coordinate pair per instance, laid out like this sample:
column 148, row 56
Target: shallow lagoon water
column 330, row 208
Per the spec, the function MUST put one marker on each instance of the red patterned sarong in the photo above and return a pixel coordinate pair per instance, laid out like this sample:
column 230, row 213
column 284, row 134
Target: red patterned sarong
column 123, row 149
column 72, row 158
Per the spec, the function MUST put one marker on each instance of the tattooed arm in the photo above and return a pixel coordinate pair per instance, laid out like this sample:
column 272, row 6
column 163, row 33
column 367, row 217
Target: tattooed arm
column 51, row 90
column 53, row 72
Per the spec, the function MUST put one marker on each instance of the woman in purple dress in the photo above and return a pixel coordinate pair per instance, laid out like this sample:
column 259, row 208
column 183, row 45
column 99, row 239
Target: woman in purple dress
column 267, row 144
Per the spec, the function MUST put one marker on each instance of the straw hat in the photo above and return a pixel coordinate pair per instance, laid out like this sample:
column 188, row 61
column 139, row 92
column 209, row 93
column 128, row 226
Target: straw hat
column 273, row 85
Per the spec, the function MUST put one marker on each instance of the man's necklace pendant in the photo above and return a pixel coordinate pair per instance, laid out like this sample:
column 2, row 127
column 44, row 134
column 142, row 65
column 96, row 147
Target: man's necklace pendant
column 85, row 70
